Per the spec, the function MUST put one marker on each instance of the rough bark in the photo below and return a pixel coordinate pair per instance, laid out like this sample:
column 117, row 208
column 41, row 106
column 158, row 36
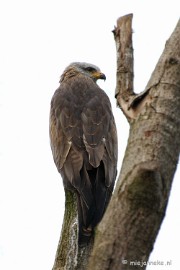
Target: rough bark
column 69, row 256
column 126, row 235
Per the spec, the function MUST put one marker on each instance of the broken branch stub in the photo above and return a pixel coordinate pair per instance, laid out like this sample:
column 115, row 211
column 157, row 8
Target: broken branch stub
column 127, row 100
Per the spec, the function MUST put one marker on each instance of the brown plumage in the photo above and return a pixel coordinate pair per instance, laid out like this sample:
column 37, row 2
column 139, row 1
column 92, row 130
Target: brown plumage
column 84, row 142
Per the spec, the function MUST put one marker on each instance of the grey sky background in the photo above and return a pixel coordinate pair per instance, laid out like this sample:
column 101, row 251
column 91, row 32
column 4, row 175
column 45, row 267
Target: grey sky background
column 38, row 39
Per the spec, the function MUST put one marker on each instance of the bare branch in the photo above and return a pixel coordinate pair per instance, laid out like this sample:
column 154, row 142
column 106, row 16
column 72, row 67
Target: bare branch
column 124, row 86
column 130, row 103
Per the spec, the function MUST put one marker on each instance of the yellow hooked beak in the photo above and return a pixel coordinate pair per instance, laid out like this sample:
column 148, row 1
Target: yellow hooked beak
column 99, row 75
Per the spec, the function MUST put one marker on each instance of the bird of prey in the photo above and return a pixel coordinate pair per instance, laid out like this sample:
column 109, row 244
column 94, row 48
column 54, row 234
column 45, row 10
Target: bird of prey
column 84, row 142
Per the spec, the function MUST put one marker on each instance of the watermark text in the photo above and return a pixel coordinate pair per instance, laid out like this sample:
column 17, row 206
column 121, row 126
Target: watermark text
column 144, row 263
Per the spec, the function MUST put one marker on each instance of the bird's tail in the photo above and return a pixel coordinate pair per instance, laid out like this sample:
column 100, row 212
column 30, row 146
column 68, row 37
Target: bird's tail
column 92, row 202
column 86, row 208
column 85, row 228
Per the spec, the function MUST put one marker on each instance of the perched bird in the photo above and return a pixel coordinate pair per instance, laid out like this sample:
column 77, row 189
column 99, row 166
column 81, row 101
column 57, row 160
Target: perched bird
column 84, row 142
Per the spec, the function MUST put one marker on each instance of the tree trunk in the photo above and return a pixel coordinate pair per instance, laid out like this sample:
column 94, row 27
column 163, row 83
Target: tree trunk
column 127, row 233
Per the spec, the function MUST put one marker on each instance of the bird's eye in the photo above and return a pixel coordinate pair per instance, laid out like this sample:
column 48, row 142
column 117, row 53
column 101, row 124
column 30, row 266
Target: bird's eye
column 90, row 69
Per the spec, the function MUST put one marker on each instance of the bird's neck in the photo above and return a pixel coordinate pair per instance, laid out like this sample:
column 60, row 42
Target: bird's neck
column 67, row 74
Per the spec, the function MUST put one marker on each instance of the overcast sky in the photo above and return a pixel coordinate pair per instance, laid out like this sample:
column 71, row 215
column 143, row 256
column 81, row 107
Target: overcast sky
column 38, row 39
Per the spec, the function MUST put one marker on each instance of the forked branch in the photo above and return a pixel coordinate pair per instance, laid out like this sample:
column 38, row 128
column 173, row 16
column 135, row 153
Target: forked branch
column 133, row 218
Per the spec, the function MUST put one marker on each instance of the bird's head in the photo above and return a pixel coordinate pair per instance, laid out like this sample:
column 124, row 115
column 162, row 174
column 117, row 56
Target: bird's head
column 86, row 69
